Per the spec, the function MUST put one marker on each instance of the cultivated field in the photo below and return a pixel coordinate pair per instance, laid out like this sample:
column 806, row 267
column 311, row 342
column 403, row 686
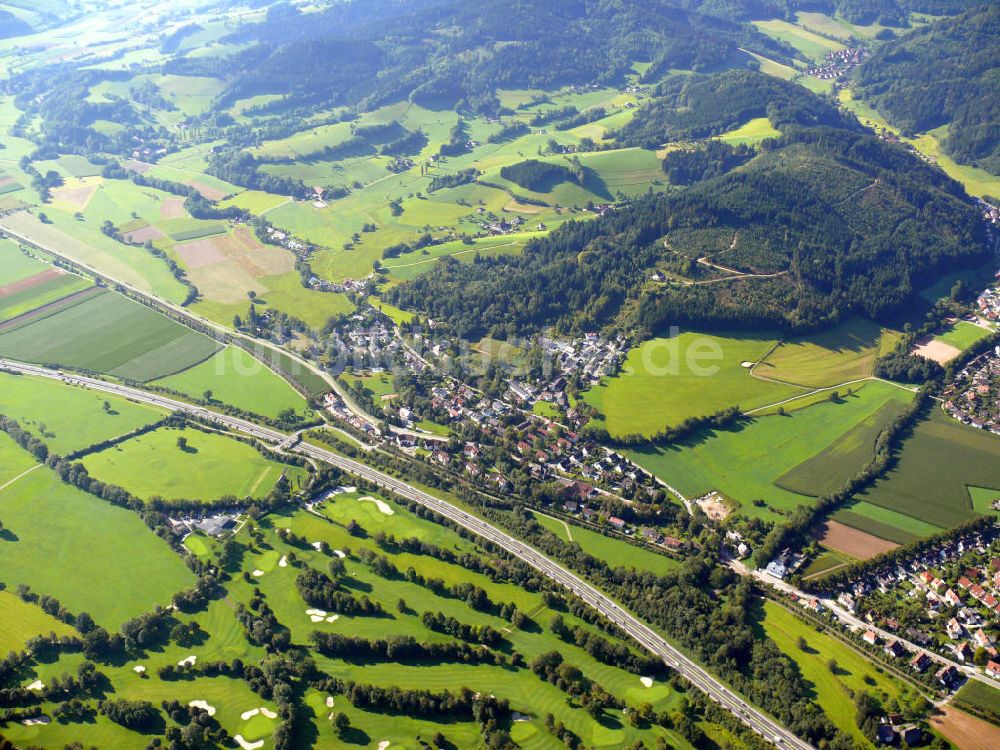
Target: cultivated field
column 852, row 542
column 964, row 730
column 207, row 468
column 667, row 380
column 110, row 334
column 935, row 468
column 884, row 523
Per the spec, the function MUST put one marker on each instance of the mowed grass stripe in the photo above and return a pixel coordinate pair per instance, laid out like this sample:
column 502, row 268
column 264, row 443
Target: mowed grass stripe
column 104, row 334
column 22, row 621
column 50, row 290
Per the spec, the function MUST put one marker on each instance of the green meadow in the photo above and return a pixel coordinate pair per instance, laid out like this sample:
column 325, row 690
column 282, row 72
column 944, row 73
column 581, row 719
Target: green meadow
column 963, row 334
column 62, row 536
column 235, row 377
column 842, row 354
column 667, row 380
column 750, row 132
column 207, row 468
column 833, row 689
column 617, row 553
column 22, row 621
column 67, row 418
column 746, row 462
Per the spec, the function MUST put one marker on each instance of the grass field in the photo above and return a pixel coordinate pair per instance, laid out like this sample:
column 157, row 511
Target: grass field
column 812, row 46
column 667, row 380
column 746, row 461
column 64, row 536
column 22, row 621
column 209, row 467
column 752, row 131
column 236, row 378
column 824, row 473
column 963, row 335
column 935, row 468
column 67, row 418
column 980, row 697
column 615, row 552
column 45, row 288
column 110, row 334
column 832, row 690
column 824, row 562
column 844, row 353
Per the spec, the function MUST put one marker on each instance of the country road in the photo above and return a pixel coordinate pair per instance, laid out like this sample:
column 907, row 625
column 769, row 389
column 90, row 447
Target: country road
column 755, row 718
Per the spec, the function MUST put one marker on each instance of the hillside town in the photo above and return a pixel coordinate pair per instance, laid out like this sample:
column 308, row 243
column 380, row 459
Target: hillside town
column 974, row 397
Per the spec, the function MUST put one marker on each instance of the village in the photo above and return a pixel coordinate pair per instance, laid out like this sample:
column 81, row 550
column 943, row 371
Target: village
column 973, row 397
column 945, row 599
column 839, row 63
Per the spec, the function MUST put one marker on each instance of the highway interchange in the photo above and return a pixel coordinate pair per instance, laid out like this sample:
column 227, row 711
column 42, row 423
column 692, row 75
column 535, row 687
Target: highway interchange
column 638, row 630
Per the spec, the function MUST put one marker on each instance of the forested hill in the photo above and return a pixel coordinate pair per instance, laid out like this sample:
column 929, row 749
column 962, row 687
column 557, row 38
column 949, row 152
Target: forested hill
column 829, row 223
column 700, row 106
column 885, row 12
column 946, row 73
column 455, row 53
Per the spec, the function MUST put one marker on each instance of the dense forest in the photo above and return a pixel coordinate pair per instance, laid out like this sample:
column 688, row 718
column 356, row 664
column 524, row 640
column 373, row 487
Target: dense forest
column 945, row 74
column 699, row 106
column 885, row 12
column 456, row 54
column 828, row 223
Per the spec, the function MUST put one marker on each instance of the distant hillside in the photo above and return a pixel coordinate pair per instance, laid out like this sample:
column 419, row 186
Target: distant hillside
column 11, row 25
column 456, row 53
column 947, row 73
column 699, row 106
column 831, row 223
column 885, row 12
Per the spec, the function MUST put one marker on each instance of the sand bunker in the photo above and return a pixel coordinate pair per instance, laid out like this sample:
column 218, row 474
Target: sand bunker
column 262, row 711
column 36, row 685
column 317, row 545
column 204, row 706
column 283, row 562
column 139, row 669
column 43, row 719
column 329, row 701
column 188, row 662
column 340, row 553
column 258, row 573
column 383, row 744
column 248, row 745
column 646, row 681
column 382, row 505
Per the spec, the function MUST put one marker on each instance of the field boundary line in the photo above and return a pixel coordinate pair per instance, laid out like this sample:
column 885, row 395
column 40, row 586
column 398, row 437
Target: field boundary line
column 19, row 477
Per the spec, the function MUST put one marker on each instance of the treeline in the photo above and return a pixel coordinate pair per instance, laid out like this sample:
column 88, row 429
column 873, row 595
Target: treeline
column 462, row 177
column 615, row 654
column 319, row 590
column 943, row 74
column 402, row 648
column 719, row 420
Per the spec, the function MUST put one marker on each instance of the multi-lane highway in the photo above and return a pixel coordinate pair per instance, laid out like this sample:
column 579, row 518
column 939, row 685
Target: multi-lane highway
column 638, row 630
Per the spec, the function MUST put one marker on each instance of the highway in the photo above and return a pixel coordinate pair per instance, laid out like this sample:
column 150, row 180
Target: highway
column 638, row 630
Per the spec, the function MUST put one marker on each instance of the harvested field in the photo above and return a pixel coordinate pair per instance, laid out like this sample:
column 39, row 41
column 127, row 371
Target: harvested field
column 225, row 268
column 31, row 282
column 172, row 208
column 139, row 236
column 936, row 350
column 211, row 193
column 853, row 542
column 966, row 731
column 139, row 167
column 76, row 198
